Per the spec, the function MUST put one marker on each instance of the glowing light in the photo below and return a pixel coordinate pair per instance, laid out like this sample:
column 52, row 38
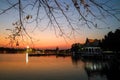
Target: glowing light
column 28, row 47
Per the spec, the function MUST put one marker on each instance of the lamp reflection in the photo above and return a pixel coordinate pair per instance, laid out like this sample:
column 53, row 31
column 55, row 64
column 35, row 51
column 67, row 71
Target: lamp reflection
column 26, row 57
column 27, row 50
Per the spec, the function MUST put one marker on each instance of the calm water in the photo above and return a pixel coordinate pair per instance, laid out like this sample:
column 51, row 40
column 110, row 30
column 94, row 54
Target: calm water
column 14, row 67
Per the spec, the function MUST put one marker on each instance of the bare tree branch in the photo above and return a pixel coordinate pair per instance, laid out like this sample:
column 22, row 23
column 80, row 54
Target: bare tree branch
column 5, row 10
column 73, row 12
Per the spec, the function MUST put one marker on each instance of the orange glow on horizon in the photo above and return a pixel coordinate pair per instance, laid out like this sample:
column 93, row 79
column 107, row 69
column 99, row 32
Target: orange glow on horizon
column 44, row 41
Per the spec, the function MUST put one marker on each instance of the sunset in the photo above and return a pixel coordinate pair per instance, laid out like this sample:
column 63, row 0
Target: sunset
column 45, row 35
column 59, row 39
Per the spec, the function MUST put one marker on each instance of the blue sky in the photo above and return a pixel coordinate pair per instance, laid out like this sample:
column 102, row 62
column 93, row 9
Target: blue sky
column 48, row 38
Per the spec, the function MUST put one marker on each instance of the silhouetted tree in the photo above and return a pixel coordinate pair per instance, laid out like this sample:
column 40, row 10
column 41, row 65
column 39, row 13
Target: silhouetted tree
column 76, row 47
column 75, row 13
column 111, row 41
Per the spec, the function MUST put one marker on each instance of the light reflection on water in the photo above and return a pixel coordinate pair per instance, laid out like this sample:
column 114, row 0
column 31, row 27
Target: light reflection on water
column 14, row 67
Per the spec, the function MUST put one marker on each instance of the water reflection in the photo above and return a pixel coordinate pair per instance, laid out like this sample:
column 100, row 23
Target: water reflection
column 76, row 59
column 95, row 69
column 99, row 69
column 14, row 67
column 26, row 58
column 113, row 72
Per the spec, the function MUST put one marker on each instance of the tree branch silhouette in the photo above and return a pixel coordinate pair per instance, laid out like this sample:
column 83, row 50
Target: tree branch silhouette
column 87, row 10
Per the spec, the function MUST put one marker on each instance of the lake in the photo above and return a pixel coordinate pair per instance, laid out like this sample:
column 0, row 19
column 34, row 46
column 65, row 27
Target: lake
column 15, row 67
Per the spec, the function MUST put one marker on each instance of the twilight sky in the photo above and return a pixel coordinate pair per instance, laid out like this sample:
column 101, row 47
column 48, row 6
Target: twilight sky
column 50, row 37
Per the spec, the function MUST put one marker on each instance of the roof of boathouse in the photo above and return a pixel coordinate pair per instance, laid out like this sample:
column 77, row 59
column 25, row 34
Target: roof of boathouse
column 91, row 42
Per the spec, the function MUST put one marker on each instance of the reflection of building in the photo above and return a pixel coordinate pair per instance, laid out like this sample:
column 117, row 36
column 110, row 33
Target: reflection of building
column 95, row 66
column 102, row 69
column 94, row 69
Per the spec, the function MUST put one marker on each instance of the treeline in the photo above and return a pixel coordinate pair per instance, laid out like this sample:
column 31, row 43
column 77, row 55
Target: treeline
column 111, row 41
column 76, row 47
column 10, row 50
